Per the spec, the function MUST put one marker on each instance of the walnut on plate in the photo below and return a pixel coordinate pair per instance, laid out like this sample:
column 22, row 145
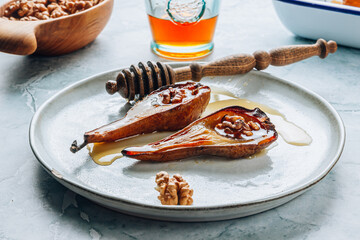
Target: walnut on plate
column 173, row 191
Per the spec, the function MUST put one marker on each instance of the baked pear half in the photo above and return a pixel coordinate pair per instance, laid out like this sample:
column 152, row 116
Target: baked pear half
column 232, row 132
column 169, row 108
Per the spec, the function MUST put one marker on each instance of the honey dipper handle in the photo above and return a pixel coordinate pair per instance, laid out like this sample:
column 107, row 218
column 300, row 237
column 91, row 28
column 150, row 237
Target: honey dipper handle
column 286, row 55
column 243, row 63
column 17, row 37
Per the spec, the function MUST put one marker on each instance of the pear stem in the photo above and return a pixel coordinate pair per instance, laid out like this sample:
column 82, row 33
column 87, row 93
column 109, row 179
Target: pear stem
column 74, row 147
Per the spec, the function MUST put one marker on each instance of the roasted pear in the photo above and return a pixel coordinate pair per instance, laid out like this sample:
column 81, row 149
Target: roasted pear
column 232, row 132
column 169, row 108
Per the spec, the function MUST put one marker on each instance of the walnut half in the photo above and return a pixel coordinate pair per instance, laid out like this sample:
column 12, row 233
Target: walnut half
column 173, row 191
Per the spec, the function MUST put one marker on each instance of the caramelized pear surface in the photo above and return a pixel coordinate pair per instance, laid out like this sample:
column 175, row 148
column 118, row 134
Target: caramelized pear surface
column 169, row 108
column 232, row 132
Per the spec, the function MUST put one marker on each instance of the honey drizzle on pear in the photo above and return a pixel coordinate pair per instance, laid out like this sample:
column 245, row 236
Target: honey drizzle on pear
column 106, row 153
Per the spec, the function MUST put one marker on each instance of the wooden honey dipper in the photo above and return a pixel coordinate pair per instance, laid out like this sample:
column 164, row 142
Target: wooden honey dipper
column 142, row 79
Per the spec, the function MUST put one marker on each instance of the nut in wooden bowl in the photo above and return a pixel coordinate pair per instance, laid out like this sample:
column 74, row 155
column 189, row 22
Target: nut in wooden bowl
column 42, row 31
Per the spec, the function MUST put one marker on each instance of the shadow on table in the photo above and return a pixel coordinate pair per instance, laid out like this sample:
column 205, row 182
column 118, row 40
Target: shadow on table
column 26, row 69
column 299, row 217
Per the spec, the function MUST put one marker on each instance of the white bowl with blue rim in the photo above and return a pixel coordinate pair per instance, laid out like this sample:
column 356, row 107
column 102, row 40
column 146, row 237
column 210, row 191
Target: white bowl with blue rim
column 321, row 19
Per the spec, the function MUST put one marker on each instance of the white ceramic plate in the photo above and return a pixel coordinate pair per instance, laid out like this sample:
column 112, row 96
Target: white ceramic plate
column 223, row 188
column 321, row 19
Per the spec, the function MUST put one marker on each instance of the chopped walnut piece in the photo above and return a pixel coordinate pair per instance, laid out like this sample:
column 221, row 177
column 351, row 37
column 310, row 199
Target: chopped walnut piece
column 236, row 126
column 13, row 7
column 31, row 10
column 26, row 9
column 253, row 125
column 177, row 95
column 173, row 191
column 173, row 95
column 195, row 91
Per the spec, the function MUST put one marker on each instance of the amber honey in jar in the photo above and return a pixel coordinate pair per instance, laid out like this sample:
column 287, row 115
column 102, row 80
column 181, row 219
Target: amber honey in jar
column 182, row 29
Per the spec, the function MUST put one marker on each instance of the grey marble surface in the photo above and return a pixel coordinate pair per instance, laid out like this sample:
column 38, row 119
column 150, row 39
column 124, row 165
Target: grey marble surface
column 35, row 206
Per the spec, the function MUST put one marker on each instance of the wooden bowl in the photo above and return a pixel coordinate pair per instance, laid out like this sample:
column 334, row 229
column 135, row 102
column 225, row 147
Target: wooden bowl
column 54, row 36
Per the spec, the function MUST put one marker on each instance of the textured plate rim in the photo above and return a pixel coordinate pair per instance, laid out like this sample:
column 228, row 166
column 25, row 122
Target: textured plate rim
column 305, row 186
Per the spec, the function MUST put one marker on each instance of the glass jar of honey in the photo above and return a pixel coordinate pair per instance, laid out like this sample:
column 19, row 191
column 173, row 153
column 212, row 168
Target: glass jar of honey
column 182, row 29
